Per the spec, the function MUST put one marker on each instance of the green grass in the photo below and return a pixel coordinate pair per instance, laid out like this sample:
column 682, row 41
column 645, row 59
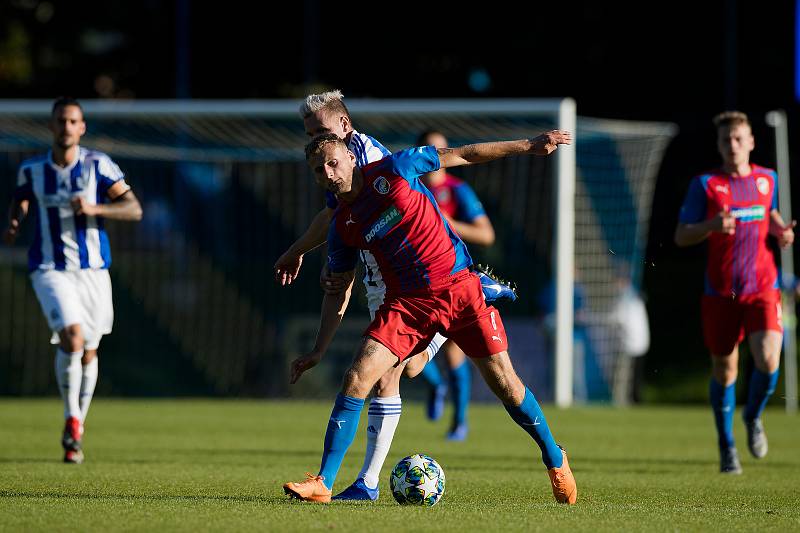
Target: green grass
column 198, row 465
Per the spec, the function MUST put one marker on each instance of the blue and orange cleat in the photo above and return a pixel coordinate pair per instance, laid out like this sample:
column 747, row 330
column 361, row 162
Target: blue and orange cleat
column 565, row 489
column 311, row 490
column 495, row 288
column 358, row 491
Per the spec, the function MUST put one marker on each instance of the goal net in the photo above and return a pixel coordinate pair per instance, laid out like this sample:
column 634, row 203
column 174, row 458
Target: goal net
column 225, row 190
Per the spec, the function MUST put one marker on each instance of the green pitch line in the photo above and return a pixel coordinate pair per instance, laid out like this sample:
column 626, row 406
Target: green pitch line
column 202, row 465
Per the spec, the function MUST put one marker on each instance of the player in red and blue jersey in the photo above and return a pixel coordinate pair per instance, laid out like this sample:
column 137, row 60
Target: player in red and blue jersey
column 385, row 209
column 464, row 212
column 327, row 113
column 735, row 209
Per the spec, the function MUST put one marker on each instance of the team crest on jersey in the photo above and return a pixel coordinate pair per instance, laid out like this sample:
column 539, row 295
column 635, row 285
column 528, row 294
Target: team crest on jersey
column 762, row 184
column 381, row 185
column 443, row 196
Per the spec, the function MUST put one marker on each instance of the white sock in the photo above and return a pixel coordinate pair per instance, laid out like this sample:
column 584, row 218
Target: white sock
column 382, row 420
column 435, row 345
column 88, row 382
column 68, row 375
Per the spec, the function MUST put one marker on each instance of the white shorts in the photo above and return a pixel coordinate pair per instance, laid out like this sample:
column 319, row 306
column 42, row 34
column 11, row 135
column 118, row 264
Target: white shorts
column 79, row 297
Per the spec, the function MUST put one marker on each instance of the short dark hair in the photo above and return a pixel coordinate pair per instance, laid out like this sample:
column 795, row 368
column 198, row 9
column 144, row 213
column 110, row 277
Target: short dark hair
column 316, row 144
column 63, row 101
column 421, row 140
column 729, row 119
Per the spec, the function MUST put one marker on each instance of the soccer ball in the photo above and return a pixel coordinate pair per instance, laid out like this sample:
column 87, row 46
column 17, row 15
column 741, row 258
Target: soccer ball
column 417, row 480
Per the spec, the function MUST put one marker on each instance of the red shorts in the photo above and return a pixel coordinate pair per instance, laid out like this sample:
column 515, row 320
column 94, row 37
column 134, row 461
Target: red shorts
column 406, row 324
column 726, row 321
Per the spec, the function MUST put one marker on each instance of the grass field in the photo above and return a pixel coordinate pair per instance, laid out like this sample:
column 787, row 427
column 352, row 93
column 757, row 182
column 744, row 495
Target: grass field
column 198, row 465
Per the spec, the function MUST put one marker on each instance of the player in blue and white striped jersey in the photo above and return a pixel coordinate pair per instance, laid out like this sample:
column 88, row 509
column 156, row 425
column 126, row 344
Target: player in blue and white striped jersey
column 68, row 193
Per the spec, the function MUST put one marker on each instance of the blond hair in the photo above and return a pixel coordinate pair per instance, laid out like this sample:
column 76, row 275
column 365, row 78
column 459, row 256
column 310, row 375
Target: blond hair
column 730, row 119
column 330, row 101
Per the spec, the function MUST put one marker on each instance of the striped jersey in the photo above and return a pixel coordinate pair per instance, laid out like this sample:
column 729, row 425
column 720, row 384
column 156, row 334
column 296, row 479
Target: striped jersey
column 741, row 263
column 396, row 218
column 63, row 240
column 367, row 150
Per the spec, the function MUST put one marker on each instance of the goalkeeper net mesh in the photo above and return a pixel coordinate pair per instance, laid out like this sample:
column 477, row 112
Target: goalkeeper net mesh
column 225, row 190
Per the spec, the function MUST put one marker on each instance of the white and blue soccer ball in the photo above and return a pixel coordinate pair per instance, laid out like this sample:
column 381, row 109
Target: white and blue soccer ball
column 417, row 480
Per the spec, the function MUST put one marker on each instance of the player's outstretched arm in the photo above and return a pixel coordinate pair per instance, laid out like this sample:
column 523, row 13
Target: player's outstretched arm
column 17, row 211
column 782, row 231
column 331, row 314
column 287, row 267
column 470, row 154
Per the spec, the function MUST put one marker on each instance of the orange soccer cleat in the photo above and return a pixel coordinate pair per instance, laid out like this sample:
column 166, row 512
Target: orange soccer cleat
column 564, row 488
column 310, row 490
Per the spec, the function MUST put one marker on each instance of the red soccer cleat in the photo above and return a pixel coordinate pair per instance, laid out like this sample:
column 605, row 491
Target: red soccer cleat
column 71, row 441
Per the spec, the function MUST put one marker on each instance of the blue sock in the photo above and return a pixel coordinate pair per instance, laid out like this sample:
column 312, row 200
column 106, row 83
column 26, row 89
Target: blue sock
column 762, row 386
column 723, row 403
column 341, row 431
column 431, row 374
column 460, row 383
column 530, row 418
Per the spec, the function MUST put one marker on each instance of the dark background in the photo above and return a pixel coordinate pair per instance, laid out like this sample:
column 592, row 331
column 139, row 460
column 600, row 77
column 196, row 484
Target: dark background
column 667, row 61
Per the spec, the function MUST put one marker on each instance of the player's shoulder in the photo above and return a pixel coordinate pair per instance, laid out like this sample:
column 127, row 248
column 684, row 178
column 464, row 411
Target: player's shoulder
column 758, row 170
column 704, row 179
column 367, row 148
column 89, row 155
column 33, row 161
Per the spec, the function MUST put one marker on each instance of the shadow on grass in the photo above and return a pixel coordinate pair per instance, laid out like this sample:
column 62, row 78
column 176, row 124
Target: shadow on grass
column 218, row 454
column 29, row 460
column 11, row 494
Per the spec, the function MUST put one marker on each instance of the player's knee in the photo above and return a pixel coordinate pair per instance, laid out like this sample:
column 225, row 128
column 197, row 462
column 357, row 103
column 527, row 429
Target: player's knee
column 724, row 370
column 88, row 356
column 355, row 383
column 71, row 339
column 388, row 385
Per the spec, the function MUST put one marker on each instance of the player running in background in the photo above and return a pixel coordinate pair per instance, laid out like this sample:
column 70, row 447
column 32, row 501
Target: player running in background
column 429, row 289
column 70, row 191
column 461, row 208
column 735, row 208
column 327, row 113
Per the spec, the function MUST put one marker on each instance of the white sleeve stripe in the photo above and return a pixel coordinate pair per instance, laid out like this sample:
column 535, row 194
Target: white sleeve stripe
column 362, row 159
